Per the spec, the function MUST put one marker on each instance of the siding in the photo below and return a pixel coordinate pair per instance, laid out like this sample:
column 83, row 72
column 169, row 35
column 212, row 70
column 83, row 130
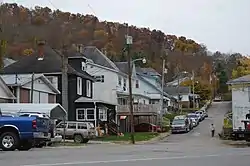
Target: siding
column 24, row 95
column 52, row 98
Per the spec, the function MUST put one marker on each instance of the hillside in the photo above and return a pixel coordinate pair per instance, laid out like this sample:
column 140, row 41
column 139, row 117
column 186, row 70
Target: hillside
column 22, row 28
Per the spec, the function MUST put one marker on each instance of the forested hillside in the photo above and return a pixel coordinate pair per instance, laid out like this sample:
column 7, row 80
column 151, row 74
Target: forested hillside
column 21, row 28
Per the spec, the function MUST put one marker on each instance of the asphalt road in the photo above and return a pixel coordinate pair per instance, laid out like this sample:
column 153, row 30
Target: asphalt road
column 194, row 148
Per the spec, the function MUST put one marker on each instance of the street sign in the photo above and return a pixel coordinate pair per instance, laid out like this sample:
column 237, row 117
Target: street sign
column 129, row 39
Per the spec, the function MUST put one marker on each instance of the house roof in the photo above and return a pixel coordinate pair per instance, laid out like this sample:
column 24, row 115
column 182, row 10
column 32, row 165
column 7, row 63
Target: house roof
column 51, row 63
column 93, row 53
column 147, row 71
column 22, row 79
column 122, row 66
column 174, row 90
column 5, row 88
column 240, row 80
column 8, row 61
column 175, row 82
column 153, row 86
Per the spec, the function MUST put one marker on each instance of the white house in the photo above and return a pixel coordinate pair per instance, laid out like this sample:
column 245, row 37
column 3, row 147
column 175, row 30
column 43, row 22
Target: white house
column 21, row 85
column 240, row 99
column 112, row 80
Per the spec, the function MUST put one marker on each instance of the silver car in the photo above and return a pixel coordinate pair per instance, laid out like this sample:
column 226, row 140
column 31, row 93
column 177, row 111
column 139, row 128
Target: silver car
column 80, row 132
column 180, row 125
column 195, row 119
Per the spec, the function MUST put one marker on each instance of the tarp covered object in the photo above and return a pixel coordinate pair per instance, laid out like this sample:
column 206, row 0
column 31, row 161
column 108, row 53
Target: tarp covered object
column 54, row 111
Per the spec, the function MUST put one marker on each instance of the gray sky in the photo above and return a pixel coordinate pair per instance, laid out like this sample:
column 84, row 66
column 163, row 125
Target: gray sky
column 222, row 25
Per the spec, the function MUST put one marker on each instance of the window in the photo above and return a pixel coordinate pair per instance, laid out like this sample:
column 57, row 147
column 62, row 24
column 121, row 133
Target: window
column 82, row 126
column 99, row 78
column 88, row 90
column 80, row 114
column 71, row 125
column 124, row 82
column 90, row 114
column 103, row 114
column 83, row 66
column 119, row 80
column 85, row 114
column 79, row 85
column 136, row 83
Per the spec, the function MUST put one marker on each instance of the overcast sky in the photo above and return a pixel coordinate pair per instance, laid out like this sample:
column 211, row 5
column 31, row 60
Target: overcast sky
column 222, row 25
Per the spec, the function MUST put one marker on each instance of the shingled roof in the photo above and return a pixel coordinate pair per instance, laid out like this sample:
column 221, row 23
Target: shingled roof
column 51, row 63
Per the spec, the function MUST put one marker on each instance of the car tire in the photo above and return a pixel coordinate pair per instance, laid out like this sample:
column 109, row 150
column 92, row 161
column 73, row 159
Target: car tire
column 78, row 138
column 85, row 140
column 25, row 146
column 9, row 136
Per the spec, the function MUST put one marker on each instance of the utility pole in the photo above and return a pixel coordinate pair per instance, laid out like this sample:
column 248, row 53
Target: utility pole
column 32, row 88
column 178, row 87
column 193, row 89
column 65, row 78
column 162, row 90
column 129, row 41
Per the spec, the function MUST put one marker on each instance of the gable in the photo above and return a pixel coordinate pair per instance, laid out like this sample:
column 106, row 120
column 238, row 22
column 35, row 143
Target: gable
column 5, row 92
column 39, row 85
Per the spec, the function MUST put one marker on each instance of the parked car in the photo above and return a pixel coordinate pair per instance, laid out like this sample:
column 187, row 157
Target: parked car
column 195, row 119
column 80, row 132
column 147, row 127
column 180, row 124
column 22, row 133
column 202, row 115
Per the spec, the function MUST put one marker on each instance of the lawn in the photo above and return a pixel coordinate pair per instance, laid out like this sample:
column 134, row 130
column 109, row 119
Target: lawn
column 138, row 137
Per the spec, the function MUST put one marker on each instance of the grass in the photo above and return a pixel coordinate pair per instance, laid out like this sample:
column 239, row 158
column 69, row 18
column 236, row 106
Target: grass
column 127, row 137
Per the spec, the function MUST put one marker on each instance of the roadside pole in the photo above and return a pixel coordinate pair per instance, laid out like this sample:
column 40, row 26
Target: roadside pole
column 193, row 90
column 162, row 92
column 32, row 88
column 129, row 41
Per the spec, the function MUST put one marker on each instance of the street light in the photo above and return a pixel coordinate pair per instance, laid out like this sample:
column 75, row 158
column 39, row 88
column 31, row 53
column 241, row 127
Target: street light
column 129, row 42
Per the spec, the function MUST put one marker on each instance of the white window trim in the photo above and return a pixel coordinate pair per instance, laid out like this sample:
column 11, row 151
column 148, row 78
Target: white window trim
column 84, row 66
column 88, row 88
column 79, row 85
column 85, row 114
column 105, row 114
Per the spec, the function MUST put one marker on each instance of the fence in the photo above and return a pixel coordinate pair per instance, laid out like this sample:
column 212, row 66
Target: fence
column 140, row 109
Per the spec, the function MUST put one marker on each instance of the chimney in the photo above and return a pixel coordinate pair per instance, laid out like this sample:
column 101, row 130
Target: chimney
column 40, row 49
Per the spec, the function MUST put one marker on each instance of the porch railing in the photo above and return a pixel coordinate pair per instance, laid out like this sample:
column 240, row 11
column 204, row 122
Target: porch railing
column 150, row 108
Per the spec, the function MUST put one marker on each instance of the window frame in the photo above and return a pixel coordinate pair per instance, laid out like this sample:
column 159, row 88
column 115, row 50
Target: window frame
column 119, row 80
column 79, row 85
column 85, row 114
column 124, row 82
column 99, row 78
column 88, row 88
column 104, row 114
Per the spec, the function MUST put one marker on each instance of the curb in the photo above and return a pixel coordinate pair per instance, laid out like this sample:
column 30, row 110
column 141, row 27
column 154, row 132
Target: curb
column 235, row 143
column 153, row 140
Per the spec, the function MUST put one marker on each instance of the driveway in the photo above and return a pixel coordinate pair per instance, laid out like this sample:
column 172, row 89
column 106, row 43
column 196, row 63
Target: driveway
column 194, row 148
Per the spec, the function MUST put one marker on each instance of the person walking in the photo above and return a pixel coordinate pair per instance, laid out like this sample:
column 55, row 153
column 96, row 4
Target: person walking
column 212, row 130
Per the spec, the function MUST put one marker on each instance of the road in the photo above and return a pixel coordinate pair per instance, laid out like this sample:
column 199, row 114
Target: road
column 194, row 148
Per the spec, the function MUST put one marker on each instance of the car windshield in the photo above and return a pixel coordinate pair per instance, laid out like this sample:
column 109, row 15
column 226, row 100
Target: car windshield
column 192, row 115
column 178, row 122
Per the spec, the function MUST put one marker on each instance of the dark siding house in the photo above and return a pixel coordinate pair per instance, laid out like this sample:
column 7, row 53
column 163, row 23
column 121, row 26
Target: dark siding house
column 88, row 109
column 79, row 81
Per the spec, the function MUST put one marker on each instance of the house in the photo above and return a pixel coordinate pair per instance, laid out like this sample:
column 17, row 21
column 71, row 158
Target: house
column 185, row 95
column 21, row 85
column 154, row 79
column 177, row 81
column 111, row 86
column 6, row 96
column 240, row 88
column 49, row 63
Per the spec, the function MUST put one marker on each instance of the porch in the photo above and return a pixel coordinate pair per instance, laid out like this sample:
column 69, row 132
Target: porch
column 98, row 112
column 143, row 113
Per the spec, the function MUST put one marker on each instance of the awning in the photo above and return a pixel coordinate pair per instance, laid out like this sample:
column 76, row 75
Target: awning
column 54, row 111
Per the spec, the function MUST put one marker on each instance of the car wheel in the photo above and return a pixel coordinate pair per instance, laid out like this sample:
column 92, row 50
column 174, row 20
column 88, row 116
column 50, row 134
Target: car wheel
column 25, row 146
column 9, row 141
column 78, row 138
column 85, row 140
